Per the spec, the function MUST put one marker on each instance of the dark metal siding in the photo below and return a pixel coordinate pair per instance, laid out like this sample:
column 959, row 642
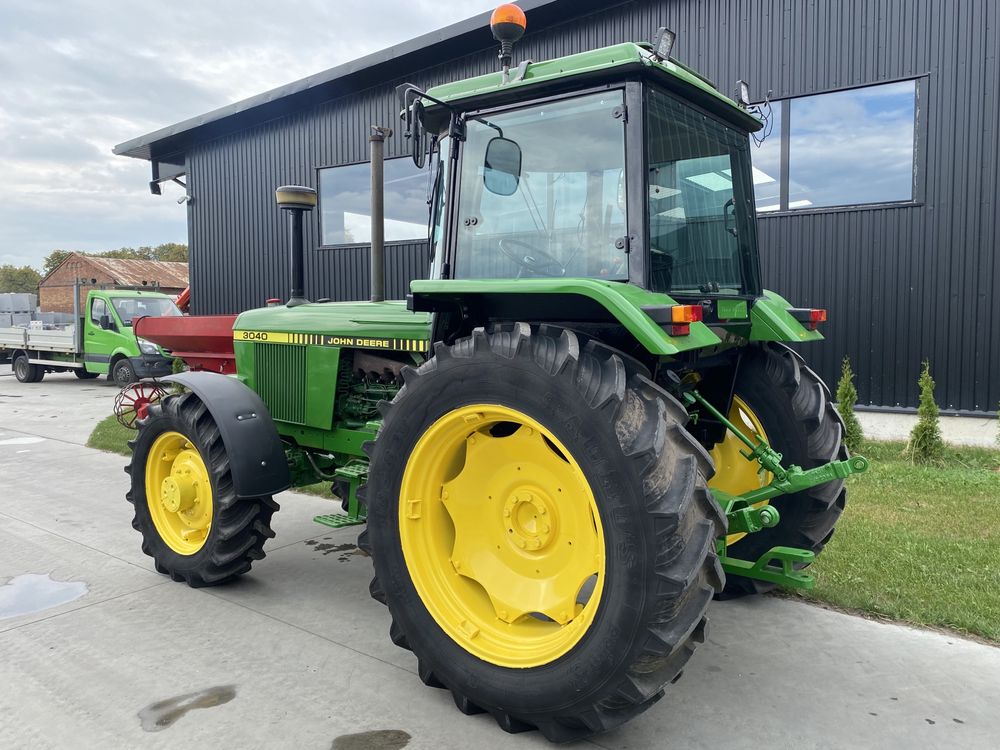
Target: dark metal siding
column 901, row 284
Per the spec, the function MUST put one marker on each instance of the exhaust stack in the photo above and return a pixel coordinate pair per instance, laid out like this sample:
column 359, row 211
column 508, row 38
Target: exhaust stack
column 296, row 199
column 377, row 141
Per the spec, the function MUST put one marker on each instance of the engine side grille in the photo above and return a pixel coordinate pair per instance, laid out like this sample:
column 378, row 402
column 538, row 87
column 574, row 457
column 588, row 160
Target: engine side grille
column 280, row 371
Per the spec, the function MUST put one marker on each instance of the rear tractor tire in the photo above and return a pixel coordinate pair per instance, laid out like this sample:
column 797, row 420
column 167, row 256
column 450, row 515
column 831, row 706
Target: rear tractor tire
column 541, row 530
column 779, row 397
column 192, row 524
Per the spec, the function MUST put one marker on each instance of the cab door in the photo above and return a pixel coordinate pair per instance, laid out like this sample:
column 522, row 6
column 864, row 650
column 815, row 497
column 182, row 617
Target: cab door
column 99, row 342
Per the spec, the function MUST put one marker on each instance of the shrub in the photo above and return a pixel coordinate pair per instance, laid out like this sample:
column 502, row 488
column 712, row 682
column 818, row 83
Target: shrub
column 847, row 397
column 926, row 445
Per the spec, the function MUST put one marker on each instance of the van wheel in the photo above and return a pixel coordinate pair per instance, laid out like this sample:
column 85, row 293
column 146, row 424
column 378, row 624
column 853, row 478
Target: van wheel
column 123, row 373
column 85, row 374
column 25, row 372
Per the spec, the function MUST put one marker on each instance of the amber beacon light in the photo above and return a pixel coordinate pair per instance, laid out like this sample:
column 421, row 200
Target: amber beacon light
column 507, row 24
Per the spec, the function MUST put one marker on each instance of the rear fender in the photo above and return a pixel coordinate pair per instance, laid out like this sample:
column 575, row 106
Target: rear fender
column 644, row 314
column 256, row 454
column 771, row 321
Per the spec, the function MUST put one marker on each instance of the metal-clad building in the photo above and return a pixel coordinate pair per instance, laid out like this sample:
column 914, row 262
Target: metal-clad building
column 902, row 253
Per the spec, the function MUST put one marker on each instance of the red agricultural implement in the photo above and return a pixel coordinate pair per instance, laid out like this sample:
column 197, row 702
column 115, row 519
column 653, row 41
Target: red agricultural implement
column 204, row 342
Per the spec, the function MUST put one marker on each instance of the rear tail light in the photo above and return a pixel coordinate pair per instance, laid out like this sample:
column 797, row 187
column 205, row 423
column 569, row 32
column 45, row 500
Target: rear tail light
column 808, row 316
column 681, row 318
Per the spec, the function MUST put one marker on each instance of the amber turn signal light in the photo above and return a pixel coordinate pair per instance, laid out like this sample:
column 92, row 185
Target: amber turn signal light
column 681, row 318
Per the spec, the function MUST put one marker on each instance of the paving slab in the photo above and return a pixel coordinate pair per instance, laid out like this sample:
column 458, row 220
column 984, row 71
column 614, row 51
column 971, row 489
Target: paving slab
column 61, row 407
column 307, row 651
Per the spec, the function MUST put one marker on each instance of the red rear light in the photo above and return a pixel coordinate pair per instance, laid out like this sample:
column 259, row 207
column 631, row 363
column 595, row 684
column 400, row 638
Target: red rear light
column 810, row 317
column 681, row 318
column 686, row 313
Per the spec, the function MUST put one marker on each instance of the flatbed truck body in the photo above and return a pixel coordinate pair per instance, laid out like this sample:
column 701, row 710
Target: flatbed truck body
column 101, row 342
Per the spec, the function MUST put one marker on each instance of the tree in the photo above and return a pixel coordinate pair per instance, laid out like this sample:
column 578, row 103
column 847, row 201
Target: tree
column 171, row 251
column 847, row 397
column 53, row 259
column 19, row 279
column 926, row 445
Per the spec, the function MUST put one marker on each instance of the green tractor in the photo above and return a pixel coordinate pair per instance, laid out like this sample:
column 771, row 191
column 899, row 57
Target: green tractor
column 585, row 424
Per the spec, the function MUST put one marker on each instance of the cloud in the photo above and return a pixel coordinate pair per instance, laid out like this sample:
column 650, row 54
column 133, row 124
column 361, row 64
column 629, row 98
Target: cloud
column 80, row 76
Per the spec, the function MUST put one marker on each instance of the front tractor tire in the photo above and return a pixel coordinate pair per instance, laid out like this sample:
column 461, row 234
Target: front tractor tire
column 777, row 396
column 192, row 523
column 541, row 530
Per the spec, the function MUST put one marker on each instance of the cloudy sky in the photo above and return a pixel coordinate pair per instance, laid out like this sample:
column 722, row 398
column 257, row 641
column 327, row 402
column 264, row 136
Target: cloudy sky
column 78, row 77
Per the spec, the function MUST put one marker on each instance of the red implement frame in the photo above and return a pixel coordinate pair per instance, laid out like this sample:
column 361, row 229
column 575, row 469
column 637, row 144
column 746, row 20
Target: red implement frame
column 204, row 342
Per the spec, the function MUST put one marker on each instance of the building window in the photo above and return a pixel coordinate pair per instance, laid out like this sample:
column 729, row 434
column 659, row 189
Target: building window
column 345, row 203
column 843, row 148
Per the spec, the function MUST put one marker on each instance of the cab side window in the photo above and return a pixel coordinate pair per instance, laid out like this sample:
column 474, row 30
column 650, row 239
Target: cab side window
column 97, row 308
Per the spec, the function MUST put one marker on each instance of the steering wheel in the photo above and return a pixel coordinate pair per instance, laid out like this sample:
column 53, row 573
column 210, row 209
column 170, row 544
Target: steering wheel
column 531, row 258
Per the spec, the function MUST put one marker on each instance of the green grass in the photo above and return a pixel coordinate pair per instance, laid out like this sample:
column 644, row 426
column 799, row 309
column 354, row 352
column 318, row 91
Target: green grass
column 919, row 544
column 319, row 490
column 110, row 436
column 916, row 544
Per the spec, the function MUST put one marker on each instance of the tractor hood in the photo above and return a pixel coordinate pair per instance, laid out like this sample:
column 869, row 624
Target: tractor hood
column 367, row 325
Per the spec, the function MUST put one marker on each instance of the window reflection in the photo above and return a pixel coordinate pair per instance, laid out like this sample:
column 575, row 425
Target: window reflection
column 844, row 148
column 852, row 147
column 345, row 202
column 767, row 165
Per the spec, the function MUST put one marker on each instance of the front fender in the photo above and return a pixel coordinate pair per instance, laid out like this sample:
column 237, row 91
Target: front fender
column 561, row 299
column 253, row 447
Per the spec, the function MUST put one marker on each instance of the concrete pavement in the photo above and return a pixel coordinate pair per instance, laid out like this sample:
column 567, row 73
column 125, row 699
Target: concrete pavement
column 296, row 654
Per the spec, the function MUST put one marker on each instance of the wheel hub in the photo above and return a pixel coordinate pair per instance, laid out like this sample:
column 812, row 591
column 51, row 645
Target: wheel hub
column 528, row 519
column 179, row 493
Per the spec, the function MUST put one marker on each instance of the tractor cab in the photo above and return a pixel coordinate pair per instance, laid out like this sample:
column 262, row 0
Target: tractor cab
column 618, row 164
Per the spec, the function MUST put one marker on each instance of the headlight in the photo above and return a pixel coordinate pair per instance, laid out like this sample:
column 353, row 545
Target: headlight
column 148, row 347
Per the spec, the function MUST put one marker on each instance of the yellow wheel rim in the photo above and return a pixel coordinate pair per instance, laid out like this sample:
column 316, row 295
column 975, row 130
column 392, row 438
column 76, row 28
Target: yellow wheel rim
column 179, row 493
column 733, row 473
column 501, row 536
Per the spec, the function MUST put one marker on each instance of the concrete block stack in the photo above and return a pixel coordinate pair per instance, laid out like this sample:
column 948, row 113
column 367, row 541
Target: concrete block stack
column 21, row 309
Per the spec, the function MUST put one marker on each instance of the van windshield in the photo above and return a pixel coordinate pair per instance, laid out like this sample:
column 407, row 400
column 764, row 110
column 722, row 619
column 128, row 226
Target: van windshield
column 129, row 308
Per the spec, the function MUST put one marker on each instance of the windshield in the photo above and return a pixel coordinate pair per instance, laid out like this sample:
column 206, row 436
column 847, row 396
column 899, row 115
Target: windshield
column 701, row 222
column 129, row 308
column 562, row 213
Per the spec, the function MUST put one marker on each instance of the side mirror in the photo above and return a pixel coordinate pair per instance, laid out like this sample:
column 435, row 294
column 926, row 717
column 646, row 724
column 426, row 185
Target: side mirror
column 412, row 115
column 418, row 136
column 105, row 322
column 502, row 166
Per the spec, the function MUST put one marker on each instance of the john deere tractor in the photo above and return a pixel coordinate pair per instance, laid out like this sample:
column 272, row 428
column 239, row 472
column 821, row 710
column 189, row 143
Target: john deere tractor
column 585, row 424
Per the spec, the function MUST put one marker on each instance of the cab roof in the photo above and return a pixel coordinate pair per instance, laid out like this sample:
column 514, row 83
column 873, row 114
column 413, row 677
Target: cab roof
column 616, row 61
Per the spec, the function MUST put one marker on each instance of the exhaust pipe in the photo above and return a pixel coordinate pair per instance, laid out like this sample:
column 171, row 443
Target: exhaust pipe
column 377, row 141
column 296, row 199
